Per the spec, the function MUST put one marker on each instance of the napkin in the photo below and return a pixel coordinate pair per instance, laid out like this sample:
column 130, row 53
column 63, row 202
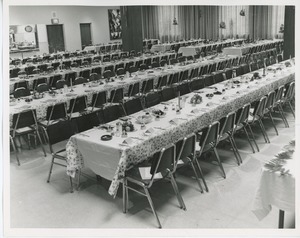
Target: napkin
column 149, row 131
column 174, row 121
column 195, row 111
column 127, row 141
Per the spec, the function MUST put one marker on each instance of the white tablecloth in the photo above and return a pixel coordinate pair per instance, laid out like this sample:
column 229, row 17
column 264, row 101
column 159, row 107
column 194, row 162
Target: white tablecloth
column 196, row 49
column 245, row 49
column 277, row 184
column 86, row 149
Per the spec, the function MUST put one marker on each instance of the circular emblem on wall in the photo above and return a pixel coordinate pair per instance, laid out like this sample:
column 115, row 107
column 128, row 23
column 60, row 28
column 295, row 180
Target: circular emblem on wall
column 28, row 28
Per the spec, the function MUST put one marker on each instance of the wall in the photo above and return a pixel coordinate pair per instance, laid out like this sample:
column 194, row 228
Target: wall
column 70, row 17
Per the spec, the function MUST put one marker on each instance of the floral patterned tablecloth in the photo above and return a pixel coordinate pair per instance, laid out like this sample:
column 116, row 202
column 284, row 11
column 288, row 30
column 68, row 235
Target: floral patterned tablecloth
column 113, row 158
column 277, row 183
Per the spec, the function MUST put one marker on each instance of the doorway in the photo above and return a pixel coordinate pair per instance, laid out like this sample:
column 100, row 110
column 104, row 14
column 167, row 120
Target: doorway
column 56, row 40
column 86, row 36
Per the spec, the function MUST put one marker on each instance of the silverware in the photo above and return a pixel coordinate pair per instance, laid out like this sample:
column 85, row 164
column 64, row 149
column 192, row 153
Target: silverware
column 137, row 138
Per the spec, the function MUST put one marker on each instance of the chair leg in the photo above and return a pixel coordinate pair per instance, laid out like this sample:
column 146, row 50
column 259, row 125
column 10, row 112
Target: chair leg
column 78, row 179
column 152, row 206
column 38, row 134
column 71, row 184
column 251, row 132
column 263, row 129
column 273, row 123
column 201, row 174
column 15, row 150
column 50, row 171
column 289, row 103
column 196, row 175
column 236, row 149
column 282, row 115
column 178, row 195
column 248, row 138
column 125, row 196
column 219, row 162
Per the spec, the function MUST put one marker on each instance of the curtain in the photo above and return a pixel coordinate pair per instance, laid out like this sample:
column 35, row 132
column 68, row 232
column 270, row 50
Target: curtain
column 236, row 25
column 197, row 21
column 265, row 21
column 150, row 22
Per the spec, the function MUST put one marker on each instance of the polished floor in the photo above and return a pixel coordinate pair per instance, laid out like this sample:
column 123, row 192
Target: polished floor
column 228, row 204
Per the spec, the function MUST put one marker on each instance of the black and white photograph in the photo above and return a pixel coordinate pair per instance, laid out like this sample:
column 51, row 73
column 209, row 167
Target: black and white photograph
column 149, row 118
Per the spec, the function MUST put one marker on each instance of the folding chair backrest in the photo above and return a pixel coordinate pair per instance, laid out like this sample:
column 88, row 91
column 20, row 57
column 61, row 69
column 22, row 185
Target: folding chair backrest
column 210, row 134
column 243, row 114
column 133, row 89
column 38, row 81
column 111, row 113
column 270, row 100
column 290, row 93
column 87, row 121
column 43, row 87
column 185, row 147
column 60, row 84
column 21, row 84
column 208, row 80
column 184, row 88
column 56, row 111
column 163, row 161
column 279, row 93
column 132, row 106
column 21, row 92
column 78, row 104
column 197, row 83
column 227, row 123
column 147, row 85
column 162, row 81
column 59, row 131
column 24, row 119
column 116, row 95
column 167, row 93
column 80, row 80
column 152, row 99
column 260, row 107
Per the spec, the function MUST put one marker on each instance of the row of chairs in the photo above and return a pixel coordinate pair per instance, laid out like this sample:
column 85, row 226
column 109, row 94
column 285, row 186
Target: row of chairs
column 166, row 162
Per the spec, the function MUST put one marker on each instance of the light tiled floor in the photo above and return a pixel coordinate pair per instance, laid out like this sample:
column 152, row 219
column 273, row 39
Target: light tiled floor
column 228, row 204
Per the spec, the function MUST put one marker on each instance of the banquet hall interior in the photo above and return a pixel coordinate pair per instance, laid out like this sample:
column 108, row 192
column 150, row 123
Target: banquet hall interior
column 175, row 116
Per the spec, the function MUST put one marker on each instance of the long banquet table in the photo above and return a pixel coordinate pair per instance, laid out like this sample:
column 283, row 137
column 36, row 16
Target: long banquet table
column 111, row 159
column 196, row 49
column 277, row 184
column 41, row 104
column 167, row 46
column 245, row 49
column 96, row 48
column 77, row 70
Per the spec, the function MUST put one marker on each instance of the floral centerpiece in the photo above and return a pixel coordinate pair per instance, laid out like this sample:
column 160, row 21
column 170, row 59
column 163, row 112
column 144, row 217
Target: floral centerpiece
column 222, row 25
column 281, row 28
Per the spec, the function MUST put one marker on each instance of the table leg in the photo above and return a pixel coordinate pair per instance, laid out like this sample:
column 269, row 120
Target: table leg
column 281, row 219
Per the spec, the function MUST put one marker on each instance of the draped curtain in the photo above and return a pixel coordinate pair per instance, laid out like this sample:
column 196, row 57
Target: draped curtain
column 236, row 25
column 204, row 22
column 265, row 21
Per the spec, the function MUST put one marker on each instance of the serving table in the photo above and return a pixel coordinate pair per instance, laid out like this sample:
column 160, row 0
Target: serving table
column 277, row 185
column 111, row 159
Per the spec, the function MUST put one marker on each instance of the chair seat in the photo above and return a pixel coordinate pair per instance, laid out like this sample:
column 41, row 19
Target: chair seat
column 61, row 154
column 142, row 174
column 24, row 130
column 45, row 123
column 223, row 137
